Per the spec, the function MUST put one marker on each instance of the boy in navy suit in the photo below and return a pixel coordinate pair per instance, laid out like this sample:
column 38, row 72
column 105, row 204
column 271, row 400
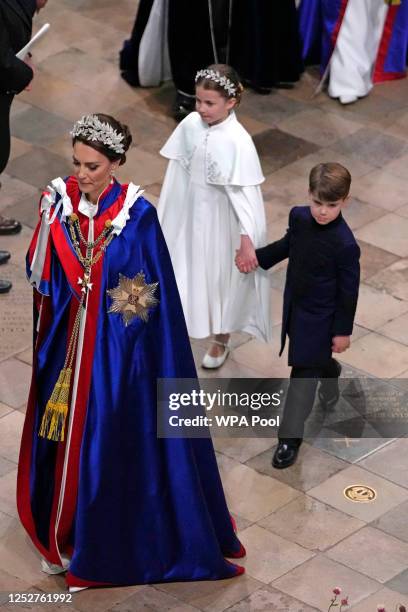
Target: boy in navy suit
column 320, row 299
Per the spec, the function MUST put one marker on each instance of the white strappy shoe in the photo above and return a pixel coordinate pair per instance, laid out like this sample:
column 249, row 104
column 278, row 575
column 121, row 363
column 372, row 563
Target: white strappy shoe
column 212, row 363
column 76, row 589
column 51, row 568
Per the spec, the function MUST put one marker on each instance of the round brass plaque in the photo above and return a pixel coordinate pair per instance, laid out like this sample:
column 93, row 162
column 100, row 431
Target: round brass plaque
column 360, row 493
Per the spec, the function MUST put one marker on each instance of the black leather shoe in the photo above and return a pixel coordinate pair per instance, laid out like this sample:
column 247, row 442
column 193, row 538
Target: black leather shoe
column 9, row 226
column 4, row 257
column 285, row 454
column 5, row 286
column 328, row 402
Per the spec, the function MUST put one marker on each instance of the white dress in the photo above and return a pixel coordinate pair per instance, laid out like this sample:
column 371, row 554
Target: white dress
column 203, row 210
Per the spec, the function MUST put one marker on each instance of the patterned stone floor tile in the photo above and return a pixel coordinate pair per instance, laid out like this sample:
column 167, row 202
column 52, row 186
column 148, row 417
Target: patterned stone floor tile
column 374, row 260
column 10, row 435
column 147, row 135
column 373, row 553
column 6, row 466
column 15, row 378
column 242, row 449
column 375, row 308
column 16, row 321
column 392, row 279
column 106, row 599
column 390, row 462
column 377, row 355
column 377, row 189
column 358, row 213
column 82, row 69
column 313, row 582
column 388, row 232
column 324, row 129
column 271, row 109
column 397, row 167
column 276, row 149
column 212, row 596
column 268, row 599
column 13, row 191
column 389, row 495
column 250, row 494
column 399, row 584
column 357, row 167
column 270, row 556
column 385, row 597
column 25, row 211
column 7, row 524
column 4, row 409
column 253, row 126
column 19, row 147
column 10, row 584
column 350, row 449
column 371, row 146
column 264, row 358
column 374, row 110
column 26, row 356
column 403, row 211
column 311, row 468
column 120, row 20
column 38, row 167
column 142, row 168
column 40, row 127
column 311, row 524
column 8, row 494
column 394, row 522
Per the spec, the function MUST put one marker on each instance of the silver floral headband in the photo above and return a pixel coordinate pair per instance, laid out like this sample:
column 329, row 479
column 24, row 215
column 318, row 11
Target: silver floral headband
column 223, row 81
column 91, row 128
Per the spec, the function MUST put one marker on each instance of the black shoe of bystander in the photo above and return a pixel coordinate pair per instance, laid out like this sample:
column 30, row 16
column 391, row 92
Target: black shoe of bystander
column 286, row 453
column 9, row 226
column 4, row 257
column 183, row 106
column 5, row 286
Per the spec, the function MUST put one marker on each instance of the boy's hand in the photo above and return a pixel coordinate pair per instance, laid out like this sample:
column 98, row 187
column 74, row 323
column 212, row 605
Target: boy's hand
column 340, row 343
column 245, row 258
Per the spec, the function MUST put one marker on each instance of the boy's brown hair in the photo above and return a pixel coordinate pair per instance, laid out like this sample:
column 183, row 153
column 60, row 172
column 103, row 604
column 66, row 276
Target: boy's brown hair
column 329, row 182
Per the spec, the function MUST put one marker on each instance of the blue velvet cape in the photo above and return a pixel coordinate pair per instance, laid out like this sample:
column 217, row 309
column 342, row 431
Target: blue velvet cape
column 133, row 508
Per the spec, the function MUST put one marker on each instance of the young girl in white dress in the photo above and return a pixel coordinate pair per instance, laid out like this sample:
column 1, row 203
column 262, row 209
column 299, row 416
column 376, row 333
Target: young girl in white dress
column 211, row 207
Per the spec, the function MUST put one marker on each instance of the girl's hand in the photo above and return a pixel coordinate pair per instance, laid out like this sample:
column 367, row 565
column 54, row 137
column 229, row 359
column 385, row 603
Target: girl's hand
column 340, row 343
column 245, row 258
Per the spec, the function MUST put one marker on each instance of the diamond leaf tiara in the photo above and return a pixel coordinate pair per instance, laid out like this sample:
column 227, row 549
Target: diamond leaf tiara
column 91, row 128
column 214, row 75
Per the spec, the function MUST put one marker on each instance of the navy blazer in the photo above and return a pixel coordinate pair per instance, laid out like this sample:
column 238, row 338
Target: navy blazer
column 321, row 287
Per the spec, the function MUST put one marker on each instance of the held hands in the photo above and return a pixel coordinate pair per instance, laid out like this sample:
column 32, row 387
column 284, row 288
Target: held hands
column 245, row 258
column 340, row 343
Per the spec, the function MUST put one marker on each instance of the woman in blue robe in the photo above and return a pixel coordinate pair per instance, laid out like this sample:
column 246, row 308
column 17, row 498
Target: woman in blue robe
column 100, row 495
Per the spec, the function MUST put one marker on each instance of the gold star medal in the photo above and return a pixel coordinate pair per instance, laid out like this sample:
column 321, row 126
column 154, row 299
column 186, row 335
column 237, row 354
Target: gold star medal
column 133, row 297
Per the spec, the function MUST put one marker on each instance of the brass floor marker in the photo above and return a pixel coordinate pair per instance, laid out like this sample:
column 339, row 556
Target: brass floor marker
column 360, row 493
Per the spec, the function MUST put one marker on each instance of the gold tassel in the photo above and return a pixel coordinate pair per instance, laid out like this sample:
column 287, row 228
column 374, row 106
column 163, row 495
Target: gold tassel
column 56, row 410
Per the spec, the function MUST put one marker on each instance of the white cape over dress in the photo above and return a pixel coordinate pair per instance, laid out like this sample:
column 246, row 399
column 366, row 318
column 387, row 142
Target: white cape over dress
column 211, row 194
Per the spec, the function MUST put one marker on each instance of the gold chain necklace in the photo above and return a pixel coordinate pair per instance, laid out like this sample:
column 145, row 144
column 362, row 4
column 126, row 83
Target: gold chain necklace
column 53, row 421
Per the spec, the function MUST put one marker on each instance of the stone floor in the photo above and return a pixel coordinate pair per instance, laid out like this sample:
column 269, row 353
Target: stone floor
column 302, row 535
